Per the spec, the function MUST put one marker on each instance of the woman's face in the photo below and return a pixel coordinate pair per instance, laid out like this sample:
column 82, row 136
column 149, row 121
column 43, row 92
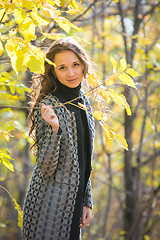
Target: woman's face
column 69, row 69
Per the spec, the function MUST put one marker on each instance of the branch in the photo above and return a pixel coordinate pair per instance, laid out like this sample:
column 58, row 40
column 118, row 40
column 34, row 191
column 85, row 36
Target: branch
column 151, row 11
column 4, row 14
column 59, row 105
column 94, row 15
column 90, row 6
column 123, row 28
column 137, row 22
column 151, row 157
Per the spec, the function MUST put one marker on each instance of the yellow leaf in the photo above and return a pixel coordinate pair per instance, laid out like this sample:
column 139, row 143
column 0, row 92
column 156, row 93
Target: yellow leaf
column 72, row 11
column 111, row 79
column 104, row 94
column 83, row 106
column 34, row 63
column 27, row 28
column 9, row 7
column 50, row 11
column 113, row 61
column 17, row 61
column 2, row 11
column 75, row 27
column 93, row 82
column 28, row 4
column 134, row 36
column 53, row 36
column 1, row 48
column 146, row 237
column 123, row 64
column 13, row 32
column 98, row 115
column 126, row 79
column 109, row 137
column 8, row 164
column 50, row 62
column 121, row 141
column 63, row 23
column 132, row 72
column 40, row 20
column 20, row 218
column 19, row 15
column 20, row 212
column 120, row 100
column 37, row 52
column 11, row 47
column 74, row 4
column 4, row 155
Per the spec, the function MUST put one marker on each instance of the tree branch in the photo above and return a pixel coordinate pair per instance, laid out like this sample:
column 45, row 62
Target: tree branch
column 123, row 28
column 151, row 11
column 150, row 158
column 89, row 7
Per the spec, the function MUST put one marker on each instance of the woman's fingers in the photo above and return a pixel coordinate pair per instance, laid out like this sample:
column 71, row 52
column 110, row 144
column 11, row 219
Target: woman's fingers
column 50, row 117
column 86, row 217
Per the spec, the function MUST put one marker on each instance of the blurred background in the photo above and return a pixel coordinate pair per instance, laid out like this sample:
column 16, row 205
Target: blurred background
column 126, row 184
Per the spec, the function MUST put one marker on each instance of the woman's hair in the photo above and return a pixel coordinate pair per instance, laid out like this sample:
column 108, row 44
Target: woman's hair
column 43, row 84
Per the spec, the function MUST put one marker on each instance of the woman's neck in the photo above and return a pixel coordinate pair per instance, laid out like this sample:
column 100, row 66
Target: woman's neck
column 66, row 92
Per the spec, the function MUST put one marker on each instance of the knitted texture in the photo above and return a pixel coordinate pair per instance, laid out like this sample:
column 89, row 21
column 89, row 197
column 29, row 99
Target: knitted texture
column 50, row 200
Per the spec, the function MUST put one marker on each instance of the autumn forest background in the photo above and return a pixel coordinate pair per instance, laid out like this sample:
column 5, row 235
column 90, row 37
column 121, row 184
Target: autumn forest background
column 123, row 40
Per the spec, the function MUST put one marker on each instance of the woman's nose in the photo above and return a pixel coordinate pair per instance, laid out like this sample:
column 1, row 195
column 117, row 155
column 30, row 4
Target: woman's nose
column 71, row 72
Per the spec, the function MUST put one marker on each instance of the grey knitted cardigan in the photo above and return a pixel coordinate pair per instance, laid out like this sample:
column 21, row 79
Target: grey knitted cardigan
column 50, row 200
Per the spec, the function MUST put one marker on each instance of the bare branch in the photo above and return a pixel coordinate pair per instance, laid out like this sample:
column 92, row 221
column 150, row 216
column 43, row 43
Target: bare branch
column 89, row 7
column 151, row 11
column 123, row 28
column 150, row 158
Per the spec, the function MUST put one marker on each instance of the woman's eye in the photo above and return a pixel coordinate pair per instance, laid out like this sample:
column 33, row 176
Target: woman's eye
column 76, row 64
column 61, row 68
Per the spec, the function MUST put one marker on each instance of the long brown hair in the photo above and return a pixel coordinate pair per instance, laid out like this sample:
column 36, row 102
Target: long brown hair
column 43, row 84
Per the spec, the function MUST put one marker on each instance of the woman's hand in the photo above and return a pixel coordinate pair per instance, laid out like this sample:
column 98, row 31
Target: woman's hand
column 50, row 117
column 86, row 217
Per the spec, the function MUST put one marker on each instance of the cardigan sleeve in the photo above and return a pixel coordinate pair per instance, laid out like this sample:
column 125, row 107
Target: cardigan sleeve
column 88, row 195
column 48, row 144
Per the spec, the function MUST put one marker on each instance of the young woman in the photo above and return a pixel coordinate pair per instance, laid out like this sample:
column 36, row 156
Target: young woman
column 58, row 202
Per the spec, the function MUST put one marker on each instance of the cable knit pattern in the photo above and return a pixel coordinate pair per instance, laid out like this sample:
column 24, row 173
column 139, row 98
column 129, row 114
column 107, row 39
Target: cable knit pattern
column 50, row 200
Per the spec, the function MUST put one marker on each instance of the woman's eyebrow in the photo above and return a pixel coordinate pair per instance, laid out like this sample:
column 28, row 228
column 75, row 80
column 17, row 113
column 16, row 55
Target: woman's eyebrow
column 63, row 64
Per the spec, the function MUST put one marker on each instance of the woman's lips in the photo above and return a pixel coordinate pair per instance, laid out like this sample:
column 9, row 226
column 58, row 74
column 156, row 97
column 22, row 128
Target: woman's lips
column 72, row 80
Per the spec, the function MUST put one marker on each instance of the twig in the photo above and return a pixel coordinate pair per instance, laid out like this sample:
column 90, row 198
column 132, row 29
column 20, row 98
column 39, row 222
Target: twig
column 59, row 105
column 4, row 14
column 90, row 6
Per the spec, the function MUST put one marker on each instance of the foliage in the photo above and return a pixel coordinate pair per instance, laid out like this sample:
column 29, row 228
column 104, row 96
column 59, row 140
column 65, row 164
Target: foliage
column 121, row 40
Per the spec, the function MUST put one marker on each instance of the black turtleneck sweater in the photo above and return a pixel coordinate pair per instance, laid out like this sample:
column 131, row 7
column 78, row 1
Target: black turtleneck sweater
column 64, row 94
